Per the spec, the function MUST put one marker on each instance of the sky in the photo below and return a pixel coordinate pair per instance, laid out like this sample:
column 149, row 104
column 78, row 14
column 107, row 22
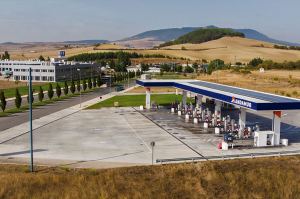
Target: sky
column 65, row 20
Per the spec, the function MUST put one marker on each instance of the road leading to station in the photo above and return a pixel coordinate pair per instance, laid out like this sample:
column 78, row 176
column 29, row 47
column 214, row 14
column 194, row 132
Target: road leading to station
column 19, row 118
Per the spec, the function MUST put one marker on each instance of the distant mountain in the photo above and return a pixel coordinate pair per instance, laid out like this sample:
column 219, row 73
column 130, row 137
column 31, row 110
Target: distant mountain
column 253, row 34
column 202, row 35
column 162, row 34
column 156, row 37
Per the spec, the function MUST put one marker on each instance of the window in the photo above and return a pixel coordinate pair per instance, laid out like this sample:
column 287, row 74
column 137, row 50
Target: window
column 24, row 70
column 50, row 78
column 44, row 78
column 17, row 78
column 17, row 70
column 23, row 77
column 51, row 71
column 37, row 70
column 37, row 78
column 44, row 71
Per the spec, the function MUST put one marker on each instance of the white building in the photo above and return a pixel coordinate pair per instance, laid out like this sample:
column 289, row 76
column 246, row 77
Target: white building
column 153, row 70
column 47, row 71
column 134, row 68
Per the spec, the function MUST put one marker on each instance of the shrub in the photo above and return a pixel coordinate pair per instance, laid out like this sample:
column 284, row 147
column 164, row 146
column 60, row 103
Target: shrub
column 2, row 101
column 41, row 94
column 66, row 88
column 18, row 99
column 84, row 86
column 58, row 90
column 72, row 87
column 50, row 91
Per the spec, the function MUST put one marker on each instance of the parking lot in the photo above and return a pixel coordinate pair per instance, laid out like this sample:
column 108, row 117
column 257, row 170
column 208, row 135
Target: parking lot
column 95, row 138
column 112, row 137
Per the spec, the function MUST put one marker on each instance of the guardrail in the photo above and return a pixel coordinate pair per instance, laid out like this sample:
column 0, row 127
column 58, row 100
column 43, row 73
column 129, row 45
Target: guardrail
column 247, row 155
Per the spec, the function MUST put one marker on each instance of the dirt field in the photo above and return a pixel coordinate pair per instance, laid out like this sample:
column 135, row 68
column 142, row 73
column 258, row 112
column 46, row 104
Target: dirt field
column 4, row 84
column 245, row 178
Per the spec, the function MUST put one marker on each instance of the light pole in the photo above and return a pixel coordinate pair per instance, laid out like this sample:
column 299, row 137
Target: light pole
column 78, row 69
column 128, row 79
column 30, row 120
column 152, row 147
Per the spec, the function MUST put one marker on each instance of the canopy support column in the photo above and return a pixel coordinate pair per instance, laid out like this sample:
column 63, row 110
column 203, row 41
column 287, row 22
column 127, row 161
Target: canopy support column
column 276, row 126
column 184, row 98
column 148, row 98
column 242, row 121
column 199, row 101
column 218, row 107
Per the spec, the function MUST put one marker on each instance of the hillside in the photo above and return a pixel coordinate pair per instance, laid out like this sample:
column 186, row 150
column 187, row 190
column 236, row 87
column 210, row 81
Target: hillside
column 152, row 38
column 231, row 49
column 244, row 178
column 203, row 35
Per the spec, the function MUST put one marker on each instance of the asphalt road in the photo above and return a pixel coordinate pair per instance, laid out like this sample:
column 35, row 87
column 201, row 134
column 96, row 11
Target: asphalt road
column 19, row 118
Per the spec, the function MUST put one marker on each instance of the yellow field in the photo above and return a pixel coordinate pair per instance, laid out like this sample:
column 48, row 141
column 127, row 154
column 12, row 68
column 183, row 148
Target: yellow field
column 281, row 82
column 274, row 81
column 229, row 49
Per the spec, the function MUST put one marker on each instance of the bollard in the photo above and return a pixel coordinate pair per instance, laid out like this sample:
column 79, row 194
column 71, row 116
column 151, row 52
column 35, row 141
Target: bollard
column 195, row 120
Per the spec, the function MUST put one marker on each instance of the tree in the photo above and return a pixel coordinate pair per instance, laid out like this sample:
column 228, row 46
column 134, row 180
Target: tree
column 123, row 60
column 90, row 85
column 216, row 64
column 2, row 101
column 188, row 69
column 178, row 68
column 50, row 91
column 66, row 88
column 41, row 58
column 255, row 62
column 41, row 94
column 32, row 98
column 5, row 56
column 94, row 82
column 144, row 67
column 165, row 68
column 78, row 85
column 18, row 99
column 58, row 90
column 99, row 81
column 72, row 87
column 84, row 86
column 195, row 66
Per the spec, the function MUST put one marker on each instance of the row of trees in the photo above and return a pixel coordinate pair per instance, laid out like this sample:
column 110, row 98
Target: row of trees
column 87, row 57
column 86, row 84
column 287, row 47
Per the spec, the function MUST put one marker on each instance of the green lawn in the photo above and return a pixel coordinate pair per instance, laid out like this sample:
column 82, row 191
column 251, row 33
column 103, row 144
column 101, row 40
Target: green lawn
column 137, row 100
column 171, row 75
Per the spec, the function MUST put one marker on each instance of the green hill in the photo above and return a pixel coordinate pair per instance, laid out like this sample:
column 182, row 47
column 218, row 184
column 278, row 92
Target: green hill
column 203, row 35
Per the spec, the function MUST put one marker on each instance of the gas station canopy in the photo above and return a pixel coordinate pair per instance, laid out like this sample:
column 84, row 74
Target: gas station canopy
column 250, row 99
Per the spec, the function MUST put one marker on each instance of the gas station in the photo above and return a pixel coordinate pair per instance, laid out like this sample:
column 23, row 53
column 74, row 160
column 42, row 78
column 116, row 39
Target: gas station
column 222, row 96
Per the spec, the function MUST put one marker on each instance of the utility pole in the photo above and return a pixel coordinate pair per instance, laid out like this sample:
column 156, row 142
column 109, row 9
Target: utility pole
column 30, row 120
